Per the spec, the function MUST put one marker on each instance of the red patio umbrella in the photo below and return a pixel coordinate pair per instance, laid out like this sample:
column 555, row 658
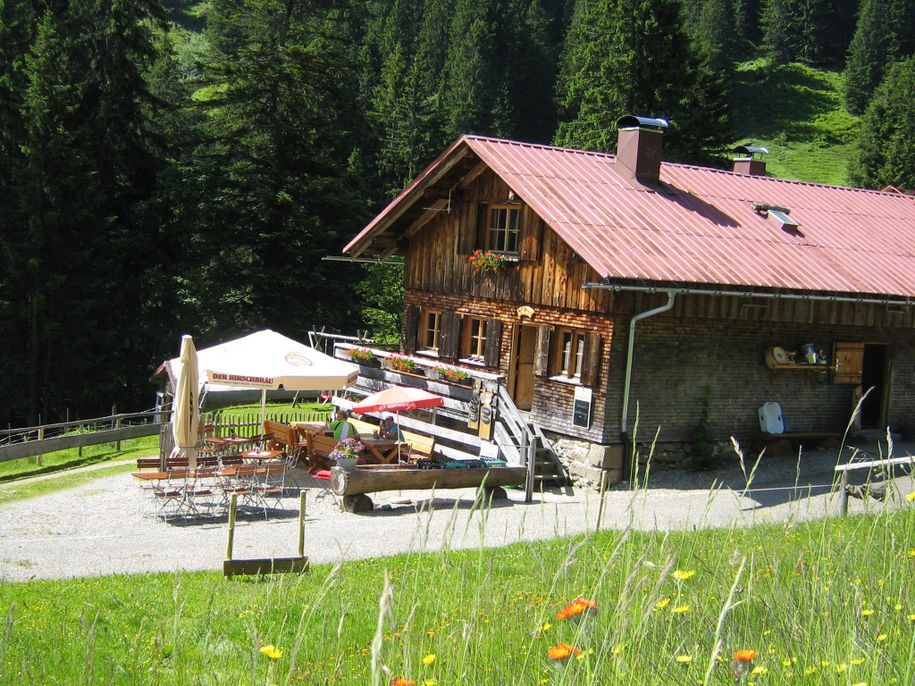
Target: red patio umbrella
column 397, row 398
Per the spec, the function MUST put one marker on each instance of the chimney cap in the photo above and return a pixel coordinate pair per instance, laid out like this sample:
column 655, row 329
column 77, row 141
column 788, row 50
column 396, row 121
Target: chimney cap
column 751, row 150
column 632, row 121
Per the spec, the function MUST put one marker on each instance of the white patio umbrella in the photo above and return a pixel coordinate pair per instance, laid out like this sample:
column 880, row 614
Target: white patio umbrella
column 266, row 360
column 185, row 411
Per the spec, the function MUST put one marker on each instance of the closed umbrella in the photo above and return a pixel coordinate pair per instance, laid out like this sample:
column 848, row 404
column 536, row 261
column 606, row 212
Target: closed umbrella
column 185, row 413
column 397, row 398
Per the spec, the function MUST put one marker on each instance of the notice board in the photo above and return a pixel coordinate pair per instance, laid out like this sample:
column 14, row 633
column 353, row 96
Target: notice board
column 581, row 409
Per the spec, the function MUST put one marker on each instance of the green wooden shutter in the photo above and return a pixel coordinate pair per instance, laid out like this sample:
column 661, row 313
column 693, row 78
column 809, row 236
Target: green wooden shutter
column 449, row 335
column 493, row 350
column 411, row 329
column 542, row 353
column 590, row 360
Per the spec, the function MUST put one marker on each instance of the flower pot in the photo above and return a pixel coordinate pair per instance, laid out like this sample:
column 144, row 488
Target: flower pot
column 374, row 364
column 347, row 464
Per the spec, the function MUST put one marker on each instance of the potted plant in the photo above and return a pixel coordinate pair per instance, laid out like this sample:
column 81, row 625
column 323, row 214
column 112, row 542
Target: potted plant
column 363, row 356
column 453, row 375
column 346, row 453
column 487, row 261
column 405, row 365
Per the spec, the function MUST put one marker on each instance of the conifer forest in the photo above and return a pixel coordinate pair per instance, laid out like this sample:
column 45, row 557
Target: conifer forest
column 173, row 166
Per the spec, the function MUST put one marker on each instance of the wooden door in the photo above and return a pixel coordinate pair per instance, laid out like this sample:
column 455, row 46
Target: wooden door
column 523, row 387
column 848, row 363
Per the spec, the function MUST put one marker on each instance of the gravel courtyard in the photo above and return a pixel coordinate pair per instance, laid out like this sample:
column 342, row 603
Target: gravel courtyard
column 105, row 526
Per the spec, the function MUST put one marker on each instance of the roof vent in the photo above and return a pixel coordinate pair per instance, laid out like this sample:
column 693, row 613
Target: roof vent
column 749, row 163
column 638, row 148
column 779, row 214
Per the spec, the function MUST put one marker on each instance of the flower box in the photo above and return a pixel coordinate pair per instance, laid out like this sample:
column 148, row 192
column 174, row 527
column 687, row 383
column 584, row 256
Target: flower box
column 453, row 375
column 364, row 357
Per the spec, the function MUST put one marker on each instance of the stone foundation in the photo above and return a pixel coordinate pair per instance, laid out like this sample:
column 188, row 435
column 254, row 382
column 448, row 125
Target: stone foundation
column 587, row 462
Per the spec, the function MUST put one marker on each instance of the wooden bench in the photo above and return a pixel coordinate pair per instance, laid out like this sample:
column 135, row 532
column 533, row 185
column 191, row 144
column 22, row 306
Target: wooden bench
column 421, row 447
column 319, row 448
column 787, row 444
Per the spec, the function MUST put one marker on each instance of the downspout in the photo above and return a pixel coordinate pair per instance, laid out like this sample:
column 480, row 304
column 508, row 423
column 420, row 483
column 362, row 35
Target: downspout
column 624, row 418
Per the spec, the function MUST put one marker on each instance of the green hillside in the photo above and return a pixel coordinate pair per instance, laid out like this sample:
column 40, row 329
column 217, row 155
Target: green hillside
column 796, row 112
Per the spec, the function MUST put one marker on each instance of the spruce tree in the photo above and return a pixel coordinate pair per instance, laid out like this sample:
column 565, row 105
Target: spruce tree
column 634, row 58
column 885, row 33
column 89, row 169
column 886, row 145
column 282, row 166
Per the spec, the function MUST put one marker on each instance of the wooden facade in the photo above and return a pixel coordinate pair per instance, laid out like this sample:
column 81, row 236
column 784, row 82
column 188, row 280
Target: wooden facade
column 536, row 302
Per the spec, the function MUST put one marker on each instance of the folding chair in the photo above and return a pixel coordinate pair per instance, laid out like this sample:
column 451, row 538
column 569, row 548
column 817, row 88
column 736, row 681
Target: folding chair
column 271, row 484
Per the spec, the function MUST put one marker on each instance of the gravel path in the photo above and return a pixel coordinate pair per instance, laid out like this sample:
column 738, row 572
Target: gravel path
column 104, row 527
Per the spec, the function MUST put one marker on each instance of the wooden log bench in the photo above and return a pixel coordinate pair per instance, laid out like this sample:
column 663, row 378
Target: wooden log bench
column 353, row 486
column 787, row 444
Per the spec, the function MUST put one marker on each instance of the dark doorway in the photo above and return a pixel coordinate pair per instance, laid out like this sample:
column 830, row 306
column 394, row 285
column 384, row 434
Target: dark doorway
column 874, row 374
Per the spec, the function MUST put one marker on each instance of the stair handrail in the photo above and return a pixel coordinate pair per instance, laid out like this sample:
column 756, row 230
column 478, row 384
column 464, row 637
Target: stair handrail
column 518, row 428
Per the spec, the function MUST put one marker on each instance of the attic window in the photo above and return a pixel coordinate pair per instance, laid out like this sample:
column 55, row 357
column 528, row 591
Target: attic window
column 503, row 227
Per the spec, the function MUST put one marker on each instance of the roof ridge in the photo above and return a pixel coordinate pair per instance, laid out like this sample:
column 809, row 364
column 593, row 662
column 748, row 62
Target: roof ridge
column 684, row 165
column 541, row 146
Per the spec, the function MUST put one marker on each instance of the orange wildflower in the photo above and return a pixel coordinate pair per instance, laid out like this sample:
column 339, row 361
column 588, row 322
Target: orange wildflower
column 745, row 655
column 401, row 681
column 576, row 608
column 562, row 651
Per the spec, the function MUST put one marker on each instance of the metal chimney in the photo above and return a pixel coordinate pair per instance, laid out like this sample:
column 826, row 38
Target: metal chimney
column 749, row 164
column 639, row 145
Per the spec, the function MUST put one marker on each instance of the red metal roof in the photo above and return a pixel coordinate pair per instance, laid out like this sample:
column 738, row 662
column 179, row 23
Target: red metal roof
column 699, row 226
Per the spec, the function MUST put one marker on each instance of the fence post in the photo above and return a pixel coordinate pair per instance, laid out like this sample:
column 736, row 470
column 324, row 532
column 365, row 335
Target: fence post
column 79, row 450
column 38, row 457
column 117, row 425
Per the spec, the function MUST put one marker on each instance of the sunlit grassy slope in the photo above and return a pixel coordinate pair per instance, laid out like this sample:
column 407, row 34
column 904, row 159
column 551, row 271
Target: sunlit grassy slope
column 796, row 111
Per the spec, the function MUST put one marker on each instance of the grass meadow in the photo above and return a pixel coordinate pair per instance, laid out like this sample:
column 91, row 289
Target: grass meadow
column 824, row 602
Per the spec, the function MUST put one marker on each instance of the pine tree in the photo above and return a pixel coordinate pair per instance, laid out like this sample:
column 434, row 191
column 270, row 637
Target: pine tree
column 711, row 25
column 886, row 146
column 884, row 34
column 634, row 58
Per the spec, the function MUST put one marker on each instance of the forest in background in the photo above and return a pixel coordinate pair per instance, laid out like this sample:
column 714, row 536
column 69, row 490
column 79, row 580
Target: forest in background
column 173, row 167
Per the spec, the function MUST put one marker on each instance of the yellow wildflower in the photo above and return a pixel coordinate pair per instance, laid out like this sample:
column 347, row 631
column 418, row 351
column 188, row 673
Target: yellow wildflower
column 911, row 552
column 759, row 670
column 684, row 659
column 809, row 670
column 618, row 648
column 841, row 668
column 858, row 661
column 662, row 604
column 911, row 617
column 430, row 682
column 680, row 610
column 910, row 497
column 866, row 613
column 881, row 637
column 859, row 683
column 272, row 652
column 684, row 574
column 429, row 660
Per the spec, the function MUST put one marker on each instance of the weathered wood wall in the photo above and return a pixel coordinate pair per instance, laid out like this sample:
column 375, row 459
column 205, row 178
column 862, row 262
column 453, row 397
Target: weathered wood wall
column 553, row 275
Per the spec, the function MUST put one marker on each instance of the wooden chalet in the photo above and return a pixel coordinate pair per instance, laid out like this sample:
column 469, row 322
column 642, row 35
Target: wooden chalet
column 630, row 293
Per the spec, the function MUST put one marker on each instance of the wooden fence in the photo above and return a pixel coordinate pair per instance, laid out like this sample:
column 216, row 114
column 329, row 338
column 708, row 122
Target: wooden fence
column 238, row 424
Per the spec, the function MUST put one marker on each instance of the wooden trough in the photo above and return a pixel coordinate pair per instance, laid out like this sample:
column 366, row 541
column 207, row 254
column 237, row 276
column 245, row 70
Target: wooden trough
column 267, row 565
column 353, row 486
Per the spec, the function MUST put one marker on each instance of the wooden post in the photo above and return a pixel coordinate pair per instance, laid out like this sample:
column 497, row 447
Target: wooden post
column 233, row 505
column 530, row 451
column 843, row 493
column 117, row 425
column 79, row 429
column 302, row 495
column 38, row 459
